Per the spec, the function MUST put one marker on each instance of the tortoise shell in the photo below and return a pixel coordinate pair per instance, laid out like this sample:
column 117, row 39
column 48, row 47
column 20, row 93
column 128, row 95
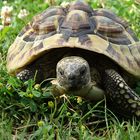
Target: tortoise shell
column 76, row 26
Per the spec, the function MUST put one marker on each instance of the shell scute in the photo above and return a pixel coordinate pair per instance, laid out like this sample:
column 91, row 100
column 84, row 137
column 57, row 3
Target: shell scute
column 105, row 24
column 113, row 52
column 80, row 6
column 111, row 15
column 49, row 25
column 112, row 31
column 48, row 13
column 48, row 20
column 76, row 20
column 45, row 35
column 24, row 30
column 135, row 52
column 30, row 37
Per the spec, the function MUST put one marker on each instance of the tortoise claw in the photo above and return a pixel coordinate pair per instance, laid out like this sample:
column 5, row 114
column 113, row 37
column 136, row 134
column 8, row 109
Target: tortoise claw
column 122, row 98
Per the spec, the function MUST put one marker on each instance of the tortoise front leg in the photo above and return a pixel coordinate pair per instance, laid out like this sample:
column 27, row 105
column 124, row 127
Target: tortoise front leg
column 25, row 75
column 122, row 98
column 28, row 73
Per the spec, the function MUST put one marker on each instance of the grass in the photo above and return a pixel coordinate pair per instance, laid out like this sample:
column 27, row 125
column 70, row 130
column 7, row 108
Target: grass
column 28, row 111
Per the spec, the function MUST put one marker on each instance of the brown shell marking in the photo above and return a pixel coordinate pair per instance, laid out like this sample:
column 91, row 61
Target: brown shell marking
column 105, row 24
column 135, row 52
column 129, row 36
column 112, row 31
column 110, row 15
column 76, row 20
column 48, row 21
column 83, row 6
column 127, row 56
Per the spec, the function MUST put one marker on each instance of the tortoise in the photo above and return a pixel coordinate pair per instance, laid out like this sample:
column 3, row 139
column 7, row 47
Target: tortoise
column 91, row 52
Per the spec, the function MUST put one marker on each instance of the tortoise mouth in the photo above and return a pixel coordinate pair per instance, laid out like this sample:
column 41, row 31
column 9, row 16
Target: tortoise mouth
column 74, row 85
column 71, row 87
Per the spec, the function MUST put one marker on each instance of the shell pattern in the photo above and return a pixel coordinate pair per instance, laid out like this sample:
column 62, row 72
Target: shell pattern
column 76, row 25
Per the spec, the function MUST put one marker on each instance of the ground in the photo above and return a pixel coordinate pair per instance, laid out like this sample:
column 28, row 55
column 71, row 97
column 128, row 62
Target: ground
column 28, row 111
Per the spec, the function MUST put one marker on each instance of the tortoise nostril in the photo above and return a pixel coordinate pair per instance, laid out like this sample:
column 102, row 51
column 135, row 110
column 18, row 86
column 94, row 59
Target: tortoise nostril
column 71, row 77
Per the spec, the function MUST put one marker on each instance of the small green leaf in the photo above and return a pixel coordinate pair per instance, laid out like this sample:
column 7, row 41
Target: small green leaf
column 33, row 106
column 137, row 90
column 47, row 94
column 138, row 84
column 30, row 84
column 4, row 31
column 14, row 82
column 22, row 94
column 36, row 93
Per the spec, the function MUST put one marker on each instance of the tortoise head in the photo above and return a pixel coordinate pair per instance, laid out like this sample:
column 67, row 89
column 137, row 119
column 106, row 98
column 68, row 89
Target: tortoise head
column 73, row 73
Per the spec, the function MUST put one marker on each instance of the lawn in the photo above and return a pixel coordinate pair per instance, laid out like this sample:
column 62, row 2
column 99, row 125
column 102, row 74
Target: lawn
column 29, row 111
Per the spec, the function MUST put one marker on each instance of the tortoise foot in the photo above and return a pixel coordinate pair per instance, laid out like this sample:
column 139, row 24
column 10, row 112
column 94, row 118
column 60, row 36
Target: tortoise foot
column 120, row 96
column 25, row 75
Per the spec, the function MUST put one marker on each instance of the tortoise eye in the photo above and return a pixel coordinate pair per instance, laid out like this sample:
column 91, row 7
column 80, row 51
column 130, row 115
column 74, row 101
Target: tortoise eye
column 83, row 70
column 61, row 72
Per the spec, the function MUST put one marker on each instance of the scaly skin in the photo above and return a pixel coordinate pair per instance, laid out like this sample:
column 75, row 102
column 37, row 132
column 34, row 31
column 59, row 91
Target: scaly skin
column 120, row 95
